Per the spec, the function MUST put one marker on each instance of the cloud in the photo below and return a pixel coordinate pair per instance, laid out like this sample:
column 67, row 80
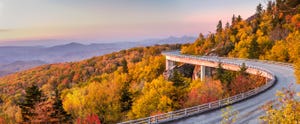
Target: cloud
column 4, row 30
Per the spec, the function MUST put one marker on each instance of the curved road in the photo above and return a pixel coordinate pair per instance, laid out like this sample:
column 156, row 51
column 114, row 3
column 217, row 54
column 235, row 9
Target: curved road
column 248, row 110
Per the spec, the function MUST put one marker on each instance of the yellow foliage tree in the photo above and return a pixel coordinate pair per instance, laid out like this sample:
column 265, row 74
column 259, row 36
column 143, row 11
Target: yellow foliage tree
column 294, row 45
column 297, row 70
column 279, row 52
column 287, row 111
column 101, row 98
column 155, row 98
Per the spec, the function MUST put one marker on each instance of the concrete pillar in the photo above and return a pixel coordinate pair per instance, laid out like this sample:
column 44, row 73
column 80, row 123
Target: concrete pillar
column 169, row 64
column 203, row 72
column 199, row 72
column 196, row 71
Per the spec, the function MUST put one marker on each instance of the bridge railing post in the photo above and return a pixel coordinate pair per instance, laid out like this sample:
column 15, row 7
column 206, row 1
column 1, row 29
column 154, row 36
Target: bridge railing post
column 171, row 114
column 149, row 120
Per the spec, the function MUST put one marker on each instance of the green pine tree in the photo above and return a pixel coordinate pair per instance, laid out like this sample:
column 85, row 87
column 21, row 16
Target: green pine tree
column 219, row 26
column 124, row 65
column 59, row 114
column 33, row 95
column 126, row 98
column 243, row 69
column 177, row 79
column 224, row 76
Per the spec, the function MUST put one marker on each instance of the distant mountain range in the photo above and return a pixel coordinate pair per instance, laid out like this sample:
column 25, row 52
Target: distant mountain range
column 10, row 68
column 17, row 58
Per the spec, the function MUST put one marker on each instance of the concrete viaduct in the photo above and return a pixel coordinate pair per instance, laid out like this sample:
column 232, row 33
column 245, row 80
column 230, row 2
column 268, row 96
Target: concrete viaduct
column 248, row 104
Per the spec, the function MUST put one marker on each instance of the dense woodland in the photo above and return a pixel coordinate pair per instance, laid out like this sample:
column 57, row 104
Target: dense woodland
column 129, row 84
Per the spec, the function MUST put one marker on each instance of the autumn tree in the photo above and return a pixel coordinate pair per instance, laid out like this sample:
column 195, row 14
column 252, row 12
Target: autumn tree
column 89, row 119
column 240, row 84
column 229, row 116
column 286, row 109
column 156, row 98
column 297, row 70
column 42, row 112
column 203, row 92
column 279, row 52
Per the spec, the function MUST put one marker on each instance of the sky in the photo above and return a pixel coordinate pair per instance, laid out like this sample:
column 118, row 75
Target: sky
column 113, row 20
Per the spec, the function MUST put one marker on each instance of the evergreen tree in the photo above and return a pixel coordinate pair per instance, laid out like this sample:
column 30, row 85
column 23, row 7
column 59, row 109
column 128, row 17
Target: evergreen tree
column 233, row 19
column 269, row 7
column 59, row 114
column 177, row 79
column 33, row 95
column 224, row 76
column 239, row 18
column 243, row 69
column 253, row 50
column 227, row 26
column 219, row 26
column 126, row 98
column 259, row 9
column 37, row 109
column 124, row 65
column 219, row 71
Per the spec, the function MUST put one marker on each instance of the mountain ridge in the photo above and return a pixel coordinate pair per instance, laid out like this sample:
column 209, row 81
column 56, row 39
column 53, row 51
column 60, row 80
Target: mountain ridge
column 69, row 52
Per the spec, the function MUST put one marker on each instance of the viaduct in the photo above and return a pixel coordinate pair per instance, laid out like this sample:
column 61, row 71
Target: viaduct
column 247, row 105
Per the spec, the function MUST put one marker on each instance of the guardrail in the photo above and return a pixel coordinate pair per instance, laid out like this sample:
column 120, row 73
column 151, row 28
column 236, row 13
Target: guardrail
column 182, row 113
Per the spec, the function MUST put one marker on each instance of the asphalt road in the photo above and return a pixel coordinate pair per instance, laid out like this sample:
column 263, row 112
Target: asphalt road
column 249, row 110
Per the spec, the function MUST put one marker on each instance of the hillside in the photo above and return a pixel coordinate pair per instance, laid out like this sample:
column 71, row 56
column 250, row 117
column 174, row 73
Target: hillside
column 63, row 76
column 10, row 68
column 74, row 72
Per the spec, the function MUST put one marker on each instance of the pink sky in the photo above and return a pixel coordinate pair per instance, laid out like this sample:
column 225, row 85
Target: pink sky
column 114, row 20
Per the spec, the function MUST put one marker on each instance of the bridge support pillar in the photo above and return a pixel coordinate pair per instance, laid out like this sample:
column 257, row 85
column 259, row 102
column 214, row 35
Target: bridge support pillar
column 169, row 64
column 203, row 72
column 200, row 72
